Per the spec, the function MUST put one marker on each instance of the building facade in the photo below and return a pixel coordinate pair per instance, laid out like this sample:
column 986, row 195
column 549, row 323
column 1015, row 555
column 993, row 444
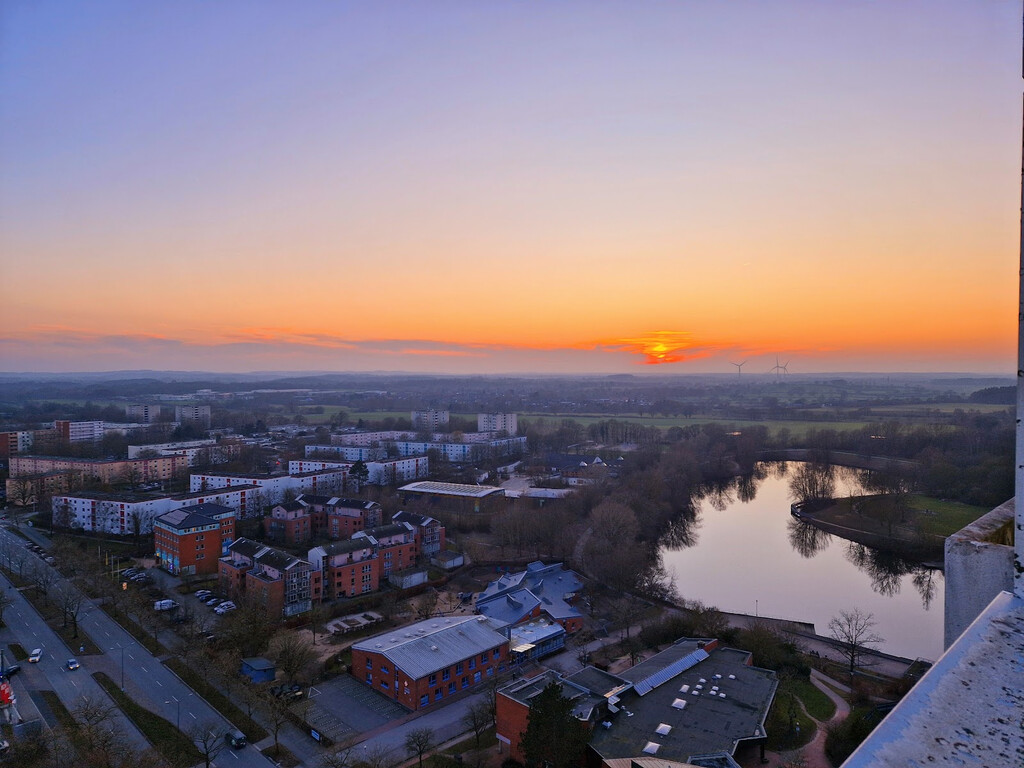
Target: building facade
column 191, row 540
column 427, row 662
column 283, row 584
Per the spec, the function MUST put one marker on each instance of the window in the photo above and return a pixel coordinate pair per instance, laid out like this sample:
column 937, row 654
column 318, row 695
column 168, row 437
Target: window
column 384, row 669
column 383, row 683
column 465, row 682
column 446, row 674
column 483, row 657
column 451, row 687
column 432, row 680
column 369, row 679
column 476, row 678
column 490, row 671
column 496, row 653
column 472, row 663
column 458, row 668
column 424, row 700
column 369, row 663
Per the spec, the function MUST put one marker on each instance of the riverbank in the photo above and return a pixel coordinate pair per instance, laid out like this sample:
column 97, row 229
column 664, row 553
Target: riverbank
column 916, row 528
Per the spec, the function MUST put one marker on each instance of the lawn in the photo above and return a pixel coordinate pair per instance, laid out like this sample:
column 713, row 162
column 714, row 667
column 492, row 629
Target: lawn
column 943, row 518
column 815, row 701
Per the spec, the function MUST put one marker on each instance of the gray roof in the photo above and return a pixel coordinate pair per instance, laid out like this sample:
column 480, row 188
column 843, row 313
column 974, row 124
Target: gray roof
column 510, row 607
column 278, row 560
column 432, row 645
column 246, row 547
column 548, row 585
column 413, row 519
column 452, row 489
column 702, row 721
column 583, row 701
column 186, row 518
column 343, row 547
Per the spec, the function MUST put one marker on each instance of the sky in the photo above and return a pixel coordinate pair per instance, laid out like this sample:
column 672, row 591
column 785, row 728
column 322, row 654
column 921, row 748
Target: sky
column 503, row 187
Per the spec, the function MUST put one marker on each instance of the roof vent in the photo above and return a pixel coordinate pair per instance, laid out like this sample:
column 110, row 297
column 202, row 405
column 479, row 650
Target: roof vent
column 678, row 704
column 433, row 647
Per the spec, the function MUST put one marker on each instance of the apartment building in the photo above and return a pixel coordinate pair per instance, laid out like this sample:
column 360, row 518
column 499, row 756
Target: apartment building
column 107, row 471
column 348, row 568
column 430, row 420
column 429, row 532
column 190, row 540
column 381, row 472
column 325, row 482
column 282, row 583
column 142, row 413
column 395, row 545
column 197, row 451
column 432, row 660
column 79, row 431
column 497, row 422
column 193, row 414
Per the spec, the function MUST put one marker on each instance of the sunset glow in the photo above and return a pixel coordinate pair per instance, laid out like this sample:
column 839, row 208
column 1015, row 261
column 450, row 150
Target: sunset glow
column 502, row 187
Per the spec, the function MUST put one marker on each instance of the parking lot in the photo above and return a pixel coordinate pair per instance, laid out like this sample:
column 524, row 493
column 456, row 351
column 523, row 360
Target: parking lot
column 343, row 706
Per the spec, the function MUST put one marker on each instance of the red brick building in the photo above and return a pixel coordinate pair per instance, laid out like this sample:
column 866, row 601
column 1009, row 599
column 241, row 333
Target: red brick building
column 284, row 584
column 349, row 568
column 289, row 522
column 395, row 545
column 429, row 532
column 311, row 517
column 427, row 662
column 191, row 540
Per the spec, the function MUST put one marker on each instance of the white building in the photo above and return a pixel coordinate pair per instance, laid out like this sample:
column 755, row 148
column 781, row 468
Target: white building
column 382, row 472
column 145, row 414
column 195, row 450
column 196, row 414
column 497, row 422
column 431, row 419
column 272, row 488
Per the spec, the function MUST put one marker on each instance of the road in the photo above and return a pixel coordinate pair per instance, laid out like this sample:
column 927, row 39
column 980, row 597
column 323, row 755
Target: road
column 146, row 680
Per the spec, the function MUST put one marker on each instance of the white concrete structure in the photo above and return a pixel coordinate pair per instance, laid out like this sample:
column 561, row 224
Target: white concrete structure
column 146, row 414
column 195, row 450
column 196, row 414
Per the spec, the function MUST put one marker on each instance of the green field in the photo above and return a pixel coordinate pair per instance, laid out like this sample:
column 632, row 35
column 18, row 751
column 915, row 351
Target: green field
column 947, row 517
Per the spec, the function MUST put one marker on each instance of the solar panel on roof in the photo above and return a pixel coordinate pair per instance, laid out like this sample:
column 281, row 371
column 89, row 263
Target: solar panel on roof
column 651, row 682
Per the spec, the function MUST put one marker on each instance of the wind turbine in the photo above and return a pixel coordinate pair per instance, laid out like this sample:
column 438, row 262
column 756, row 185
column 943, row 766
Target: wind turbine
column 739, row 368
column 780, row 368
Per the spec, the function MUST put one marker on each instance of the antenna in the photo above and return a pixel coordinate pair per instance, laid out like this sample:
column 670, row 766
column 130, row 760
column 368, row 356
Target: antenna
column 739, row 368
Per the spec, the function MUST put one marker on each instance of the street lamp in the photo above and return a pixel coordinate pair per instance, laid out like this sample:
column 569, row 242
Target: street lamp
column 178, row 702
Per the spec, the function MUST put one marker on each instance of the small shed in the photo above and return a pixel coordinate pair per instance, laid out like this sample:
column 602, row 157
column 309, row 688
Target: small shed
column 448, row 560
column 259, row 670
column 412, row 577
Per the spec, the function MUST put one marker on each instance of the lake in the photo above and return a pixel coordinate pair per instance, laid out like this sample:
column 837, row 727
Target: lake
column 754, row 557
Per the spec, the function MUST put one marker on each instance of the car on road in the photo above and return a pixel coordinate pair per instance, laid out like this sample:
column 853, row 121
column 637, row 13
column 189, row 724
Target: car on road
column 36, row 655
column 73, row 664
column 235, row 739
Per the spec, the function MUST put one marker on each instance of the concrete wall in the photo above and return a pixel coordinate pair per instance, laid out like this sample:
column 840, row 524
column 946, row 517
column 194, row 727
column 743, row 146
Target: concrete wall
column 976, row 570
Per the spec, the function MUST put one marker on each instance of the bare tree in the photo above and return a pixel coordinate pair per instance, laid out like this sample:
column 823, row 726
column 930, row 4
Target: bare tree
column 854, row 632
column 96, row 734
column 378, row 757
column 70, row 601
column 338, row 758
column 418, row 742
column 292, row 654
column 275, row 713
column 43, row 577
column 209, row 740
column 478, row 720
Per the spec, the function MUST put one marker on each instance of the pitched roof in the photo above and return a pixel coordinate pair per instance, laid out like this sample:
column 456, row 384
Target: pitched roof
column 413, row 519
column 186, row 518
column 429, row 646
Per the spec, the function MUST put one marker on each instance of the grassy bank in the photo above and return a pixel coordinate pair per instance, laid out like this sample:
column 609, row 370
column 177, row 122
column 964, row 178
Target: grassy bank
column 174, row 746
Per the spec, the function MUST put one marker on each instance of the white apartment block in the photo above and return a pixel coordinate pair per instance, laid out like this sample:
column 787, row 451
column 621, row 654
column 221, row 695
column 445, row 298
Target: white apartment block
column 347, row 453
column 429, row 420
column 497, row 422
column 382, row 472
column 145, row 414
column 383, row 438
column 272, row 488
column 465, row 451
column 197, row 414
column 79, row 431
column 194, row 450
column 117, row 513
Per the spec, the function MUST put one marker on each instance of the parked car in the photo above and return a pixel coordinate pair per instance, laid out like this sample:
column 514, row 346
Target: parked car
column 73, row 664
column 36, row 655
column 213, row 602
column 201, row 593
column 235, row 739
column 224, row 608
column 11, row 670
column 164, row 605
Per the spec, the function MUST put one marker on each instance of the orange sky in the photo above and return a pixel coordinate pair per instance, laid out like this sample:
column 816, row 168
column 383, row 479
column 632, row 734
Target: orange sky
column 485, row 189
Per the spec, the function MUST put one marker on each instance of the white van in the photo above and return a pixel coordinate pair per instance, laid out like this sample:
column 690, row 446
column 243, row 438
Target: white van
column 164, row 605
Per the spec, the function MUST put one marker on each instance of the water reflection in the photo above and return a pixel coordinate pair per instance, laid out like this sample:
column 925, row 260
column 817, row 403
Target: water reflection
column 806, row 539
column 802, row 572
